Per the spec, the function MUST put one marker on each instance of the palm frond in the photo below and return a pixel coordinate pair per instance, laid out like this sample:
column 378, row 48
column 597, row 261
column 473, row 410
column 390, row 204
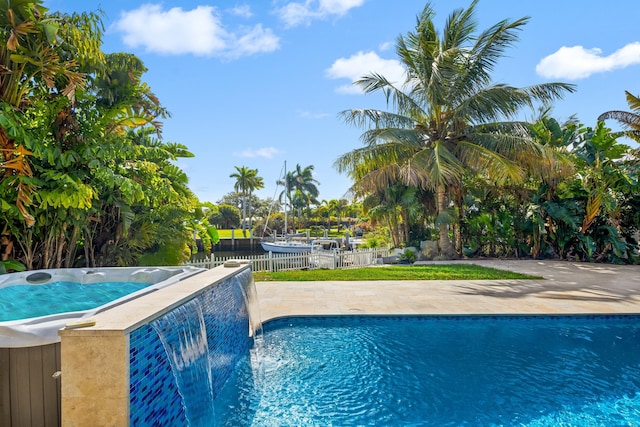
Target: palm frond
column 491, row 104
column 549, row 92
column 439, row 165
column 380, row 178
column 627, row 119
column 489, row 163
column 366, row 118
column 373, row 157
column 459, row 27
column 631, row 134
column 505, row 138
column 409, row 137
column 488, row 49
column 632, row 100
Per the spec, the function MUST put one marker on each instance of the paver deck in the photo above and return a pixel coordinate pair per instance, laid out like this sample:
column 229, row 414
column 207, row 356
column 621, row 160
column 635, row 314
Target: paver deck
column 567, row 288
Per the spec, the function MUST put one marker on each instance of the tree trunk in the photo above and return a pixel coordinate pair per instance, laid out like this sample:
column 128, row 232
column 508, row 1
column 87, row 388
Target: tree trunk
column 250, row 214
column 392, row 233
column 446, row 247
column 457, row 231
column 405, row 225
column 72, row 247
column 244, row 215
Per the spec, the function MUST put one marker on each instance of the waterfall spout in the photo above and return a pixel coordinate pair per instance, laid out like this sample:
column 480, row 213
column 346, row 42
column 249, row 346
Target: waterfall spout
column 184, row 336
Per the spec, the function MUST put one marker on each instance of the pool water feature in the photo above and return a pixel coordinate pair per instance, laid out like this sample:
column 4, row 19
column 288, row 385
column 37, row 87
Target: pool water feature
column 183, row 333
column 180, row 360
column 439, row 371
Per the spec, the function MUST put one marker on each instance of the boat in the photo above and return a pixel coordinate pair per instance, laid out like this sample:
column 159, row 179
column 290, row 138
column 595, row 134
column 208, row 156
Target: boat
column 286, row 246
column 323, row 253
column 286, row 243
column 325, row 245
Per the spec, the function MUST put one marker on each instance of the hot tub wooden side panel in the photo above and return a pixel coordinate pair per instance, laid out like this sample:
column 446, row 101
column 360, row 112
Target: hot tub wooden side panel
column 29, row 395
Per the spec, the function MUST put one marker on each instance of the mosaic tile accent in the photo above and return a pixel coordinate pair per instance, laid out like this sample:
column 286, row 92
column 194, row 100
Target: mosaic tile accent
column 154, row 396
column 284, row 322
column 153, row 392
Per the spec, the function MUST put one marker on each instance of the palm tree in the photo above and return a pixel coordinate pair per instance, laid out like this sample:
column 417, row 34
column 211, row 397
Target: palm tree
column 244, row 177
column 558, row 166
column 630, row 120
column 255, row 183
column 306, row 185
column 333, row 206
column 449, row 115
column 301, row 182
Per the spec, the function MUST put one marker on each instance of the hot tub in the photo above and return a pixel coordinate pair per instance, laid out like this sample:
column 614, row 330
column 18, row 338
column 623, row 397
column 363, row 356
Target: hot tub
column 30, row 352
column 43, row 329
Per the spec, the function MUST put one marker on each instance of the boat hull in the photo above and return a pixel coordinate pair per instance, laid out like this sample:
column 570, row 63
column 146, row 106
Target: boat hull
column 286, row 247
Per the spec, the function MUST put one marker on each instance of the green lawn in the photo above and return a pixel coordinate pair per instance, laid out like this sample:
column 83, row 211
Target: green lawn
column 416, row 272
column 225, row 233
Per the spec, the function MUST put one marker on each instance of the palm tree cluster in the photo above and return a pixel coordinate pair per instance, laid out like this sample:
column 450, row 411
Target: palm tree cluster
column 452, row 146
column 300, row 189
column 299, row 192
column 85, row 177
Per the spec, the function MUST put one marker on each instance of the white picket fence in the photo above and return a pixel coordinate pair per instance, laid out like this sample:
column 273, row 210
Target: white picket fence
column 302, row 261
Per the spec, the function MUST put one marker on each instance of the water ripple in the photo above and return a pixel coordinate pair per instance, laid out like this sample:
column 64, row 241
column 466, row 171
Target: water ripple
column 417, row 372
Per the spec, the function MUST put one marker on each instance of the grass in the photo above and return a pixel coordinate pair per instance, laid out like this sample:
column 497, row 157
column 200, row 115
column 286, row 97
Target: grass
column 225, row 233
column 426, row 272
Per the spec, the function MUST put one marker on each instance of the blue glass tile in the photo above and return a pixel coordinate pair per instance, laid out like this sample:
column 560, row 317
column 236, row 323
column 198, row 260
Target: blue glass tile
column 154, row 395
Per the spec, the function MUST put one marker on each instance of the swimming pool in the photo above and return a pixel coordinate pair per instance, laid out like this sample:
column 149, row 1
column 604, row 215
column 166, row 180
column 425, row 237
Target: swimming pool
column 439, row 371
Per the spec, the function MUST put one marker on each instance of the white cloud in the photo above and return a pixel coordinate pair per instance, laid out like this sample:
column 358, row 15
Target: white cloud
column 302, row 13
column 265, row 152
column 256, row 40
column 386, row 46
column 310, row 115
column 364, row 63
column 197, row 32
column 174, row 31
column 578, row 62
column 243, row 11
column 338, row 7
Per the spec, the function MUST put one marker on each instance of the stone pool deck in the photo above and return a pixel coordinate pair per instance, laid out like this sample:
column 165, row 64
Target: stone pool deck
column 567, row 288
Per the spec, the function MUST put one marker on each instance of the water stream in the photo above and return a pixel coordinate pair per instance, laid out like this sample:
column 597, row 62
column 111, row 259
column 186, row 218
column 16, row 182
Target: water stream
column 194, row 356
column 250, row 295
column 184, row 336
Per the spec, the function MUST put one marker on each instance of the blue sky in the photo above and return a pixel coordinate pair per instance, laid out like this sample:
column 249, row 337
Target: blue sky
column 258, row 83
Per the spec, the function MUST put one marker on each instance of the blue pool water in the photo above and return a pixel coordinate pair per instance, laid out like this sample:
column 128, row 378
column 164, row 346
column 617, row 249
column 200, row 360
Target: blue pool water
column 26, row 301
column 438, row 371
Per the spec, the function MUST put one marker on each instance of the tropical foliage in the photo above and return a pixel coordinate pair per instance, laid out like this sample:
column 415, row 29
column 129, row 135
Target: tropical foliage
column 451, row 138
column 87, row 180
column 85, row 177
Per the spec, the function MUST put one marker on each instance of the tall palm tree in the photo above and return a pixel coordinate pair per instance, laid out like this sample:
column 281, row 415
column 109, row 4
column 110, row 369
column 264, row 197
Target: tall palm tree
column 449, row 117
column 255, row 183
column 242, row 176
column 247, row 180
